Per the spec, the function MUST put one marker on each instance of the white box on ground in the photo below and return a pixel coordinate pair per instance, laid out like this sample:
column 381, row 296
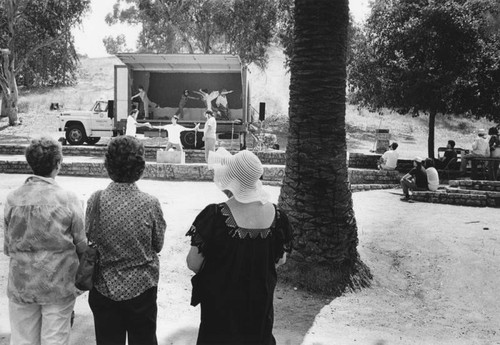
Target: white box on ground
column 173, row 157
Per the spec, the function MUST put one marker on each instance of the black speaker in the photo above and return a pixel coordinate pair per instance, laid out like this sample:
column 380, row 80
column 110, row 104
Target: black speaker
column 111, row 109
column 262, row 111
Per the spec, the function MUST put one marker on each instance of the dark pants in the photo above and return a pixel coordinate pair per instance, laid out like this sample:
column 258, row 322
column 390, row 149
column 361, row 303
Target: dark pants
column 136, row 317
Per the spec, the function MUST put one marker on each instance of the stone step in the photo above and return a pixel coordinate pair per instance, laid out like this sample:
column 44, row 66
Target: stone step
column 475, row 185
column 488, row 193
column 442, row 197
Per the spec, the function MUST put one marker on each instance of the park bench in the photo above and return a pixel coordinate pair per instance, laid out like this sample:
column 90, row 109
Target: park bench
column 482, row 163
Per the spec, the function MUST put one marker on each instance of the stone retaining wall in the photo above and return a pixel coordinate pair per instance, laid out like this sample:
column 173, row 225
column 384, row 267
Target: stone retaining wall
column 373, row 176
column 356, row 160
column 369, row 161
column 198, row 172
column 192, row 156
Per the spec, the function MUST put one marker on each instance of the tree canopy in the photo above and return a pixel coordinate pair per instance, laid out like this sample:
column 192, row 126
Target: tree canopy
column 428, row 56
column 38, row 35
column 36, row 45
column 242, row 27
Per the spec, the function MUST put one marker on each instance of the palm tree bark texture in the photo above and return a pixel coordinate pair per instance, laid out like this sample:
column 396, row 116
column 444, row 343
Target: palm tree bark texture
column 316, row 193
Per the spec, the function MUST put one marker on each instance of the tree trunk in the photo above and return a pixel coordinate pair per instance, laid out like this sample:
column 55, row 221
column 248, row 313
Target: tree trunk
column 9, row 89
column 430, row 139
column 316, row 193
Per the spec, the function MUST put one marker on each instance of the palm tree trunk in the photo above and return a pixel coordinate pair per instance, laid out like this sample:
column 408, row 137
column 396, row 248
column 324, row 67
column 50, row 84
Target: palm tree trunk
column 316, row 193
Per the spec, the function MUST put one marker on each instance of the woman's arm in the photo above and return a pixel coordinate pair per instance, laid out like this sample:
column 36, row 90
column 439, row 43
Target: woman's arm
column 194, row 259
column 282, row 260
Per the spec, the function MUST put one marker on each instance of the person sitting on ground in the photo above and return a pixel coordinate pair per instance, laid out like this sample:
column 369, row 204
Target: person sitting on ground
column 415, row 179
column 494, row 143
column 389, row 159
column 44, row 238
column 480, row 148
column 432, row 175
column 132, row 123
column 449, row 154
column 174, row 133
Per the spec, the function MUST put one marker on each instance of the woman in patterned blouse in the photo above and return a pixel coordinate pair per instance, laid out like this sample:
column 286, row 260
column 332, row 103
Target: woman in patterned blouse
column 128, row 236
column 44, row 234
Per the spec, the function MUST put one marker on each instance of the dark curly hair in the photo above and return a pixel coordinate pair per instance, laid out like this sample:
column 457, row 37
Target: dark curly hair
column 125, row 159
column 43, row 155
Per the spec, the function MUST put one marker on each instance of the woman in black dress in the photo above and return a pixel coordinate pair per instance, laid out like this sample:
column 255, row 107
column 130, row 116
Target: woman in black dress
column 235, row 249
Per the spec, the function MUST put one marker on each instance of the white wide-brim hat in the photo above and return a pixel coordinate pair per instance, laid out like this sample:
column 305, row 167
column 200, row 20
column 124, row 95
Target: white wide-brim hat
column 240, row 174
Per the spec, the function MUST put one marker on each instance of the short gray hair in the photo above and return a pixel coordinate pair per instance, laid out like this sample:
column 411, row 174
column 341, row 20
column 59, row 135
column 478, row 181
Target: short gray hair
column 43, row 155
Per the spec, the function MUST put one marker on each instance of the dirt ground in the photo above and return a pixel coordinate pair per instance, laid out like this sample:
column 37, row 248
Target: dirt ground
column 435, row 271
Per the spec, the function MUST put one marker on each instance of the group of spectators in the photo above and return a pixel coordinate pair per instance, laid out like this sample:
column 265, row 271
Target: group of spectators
column 424, row 174
column 236, row 247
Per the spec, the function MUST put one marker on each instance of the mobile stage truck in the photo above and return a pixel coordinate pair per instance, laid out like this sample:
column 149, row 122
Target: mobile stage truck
column 218, row 82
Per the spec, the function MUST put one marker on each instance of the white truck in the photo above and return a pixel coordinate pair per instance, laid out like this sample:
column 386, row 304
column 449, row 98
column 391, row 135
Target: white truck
column 211, row 81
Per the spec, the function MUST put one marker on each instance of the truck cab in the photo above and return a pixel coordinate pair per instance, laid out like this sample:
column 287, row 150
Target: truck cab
column 88, row 126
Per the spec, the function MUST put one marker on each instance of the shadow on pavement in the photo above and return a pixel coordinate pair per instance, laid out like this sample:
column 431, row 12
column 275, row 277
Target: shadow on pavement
column 294, row 313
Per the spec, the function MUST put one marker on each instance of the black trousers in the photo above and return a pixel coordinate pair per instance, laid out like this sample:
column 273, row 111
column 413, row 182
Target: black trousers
column 113, row 320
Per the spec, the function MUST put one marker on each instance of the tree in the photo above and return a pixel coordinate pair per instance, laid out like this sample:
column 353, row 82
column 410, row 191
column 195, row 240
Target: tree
column 428, row 56
column 26, row 27
column 243, row 27
column 316, row 193
column 115, row 45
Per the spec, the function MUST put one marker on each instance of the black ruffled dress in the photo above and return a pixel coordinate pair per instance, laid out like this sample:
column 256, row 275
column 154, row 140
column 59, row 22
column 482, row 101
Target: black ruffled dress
column 237, row 281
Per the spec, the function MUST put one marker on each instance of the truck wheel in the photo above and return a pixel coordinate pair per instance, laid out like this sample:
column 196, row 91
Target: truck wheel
column 188, row 140
column 93, row 140
column 75, row 135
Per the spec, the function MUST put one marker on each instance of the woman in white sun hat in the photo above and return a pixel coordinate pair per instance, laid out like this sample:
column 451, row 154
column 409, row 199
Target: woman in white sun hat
column 235, row 249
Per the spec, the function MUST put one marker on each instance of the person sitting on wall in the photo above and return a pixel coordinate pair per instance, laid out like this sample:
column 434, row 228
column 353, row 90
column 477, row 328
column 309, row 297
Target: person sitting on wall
column 389, row 159
column 449, row 154
column 415, row 179
column 132, row 123
column 432, row 175
column 480, row 148
column 174, row 133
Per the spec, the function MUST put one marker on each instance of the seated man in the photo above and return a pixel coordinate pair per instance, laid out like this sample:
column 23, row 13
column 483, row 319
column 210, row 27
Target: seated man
column 480, row 148
column 449, row 154
column 389, row 159
column 416, row 179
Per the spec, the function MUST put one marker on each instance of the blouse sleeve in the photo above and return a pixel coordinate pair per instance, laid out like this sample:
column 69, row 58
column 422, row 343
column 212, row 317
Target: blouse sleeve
column 284, row 235
column 202, row 227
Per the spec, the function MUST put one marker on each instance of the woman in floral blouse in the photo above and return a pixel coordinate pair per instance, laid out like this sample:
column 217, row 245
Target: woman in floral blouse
column 128, row 236
column 44, row 235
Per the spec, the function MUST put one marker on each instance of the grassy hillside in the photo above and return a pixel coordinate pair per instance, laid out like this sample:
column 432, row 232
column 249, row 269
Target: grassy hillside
column 95, row 81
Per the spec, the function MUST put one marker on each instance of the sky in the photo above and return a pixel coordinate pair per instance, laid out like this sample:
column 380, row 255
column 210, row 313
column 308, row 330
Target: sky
column 89, row 35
